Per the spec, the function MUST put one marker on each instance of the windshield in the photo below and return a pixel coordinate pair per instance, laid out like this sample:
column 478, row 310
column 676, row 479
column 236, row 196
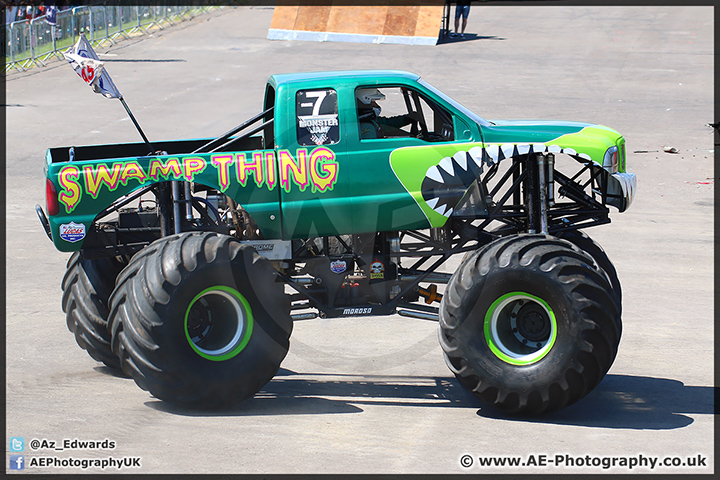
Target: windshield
column 478, row 119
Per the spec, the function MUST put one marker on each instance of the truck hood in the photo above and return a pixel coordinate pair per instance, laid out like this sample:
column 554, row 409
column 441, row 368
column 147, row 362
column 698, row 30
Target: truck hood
column 561, row 133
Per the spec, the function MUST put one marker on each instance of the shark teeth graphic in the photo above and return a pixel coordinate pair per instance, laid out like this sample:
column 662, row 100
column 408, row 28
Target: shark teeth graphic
column 461, row 159
column 447, row 165
column 434, row 174
column 446, row 182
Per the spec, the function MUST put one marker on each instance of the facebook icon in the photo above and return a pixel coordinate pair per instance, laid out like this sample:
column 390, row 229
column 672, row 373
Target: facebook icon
column 17, row 462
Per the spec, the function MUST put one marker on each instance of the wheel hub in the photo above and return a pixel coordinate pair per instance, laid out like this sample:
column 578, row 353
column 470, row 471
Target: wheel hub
column 520, row 328
column 530, row 323
column 218, row 323
column 200, row 321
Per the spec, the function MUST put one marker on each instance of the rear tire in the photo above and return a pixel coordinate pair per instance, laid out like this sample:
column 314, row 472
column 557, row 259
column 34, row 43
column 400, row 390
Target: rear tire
column 529, row 324
column 87, row 286
column 199, row 321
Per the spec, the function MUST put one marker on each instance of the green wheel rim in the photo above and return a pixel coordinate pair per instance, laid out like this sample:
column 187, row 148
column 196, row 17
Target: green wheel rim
column 218, row 323
column 520, row 328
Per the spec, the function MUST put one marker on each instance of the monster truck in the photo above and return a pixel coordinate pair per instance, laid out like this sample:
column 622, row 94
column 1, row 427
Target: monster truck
column 191, row 261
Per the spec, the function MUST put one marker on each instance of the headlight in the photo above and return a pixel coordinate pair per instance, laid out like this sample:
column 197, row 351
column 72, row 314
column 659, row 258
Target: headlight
column 610, row 160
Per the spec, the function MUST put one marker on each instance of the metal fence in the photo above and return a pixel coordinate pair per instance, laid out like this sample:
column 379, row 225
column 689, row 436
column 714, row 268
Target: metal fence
column 33, row 42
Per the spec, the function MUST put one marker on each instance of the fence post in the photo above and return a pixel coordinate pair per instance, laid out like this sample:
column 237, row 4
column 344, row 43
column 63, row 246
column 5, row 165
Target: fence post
column 107, row 31
column 138, row 26
column 155, row 21
column 54, row 52
column 72, row 24
column 92, row 27
column 32, row 42
column 121, row 30
column 12, row 43
column 13, row 63
column 31, row 26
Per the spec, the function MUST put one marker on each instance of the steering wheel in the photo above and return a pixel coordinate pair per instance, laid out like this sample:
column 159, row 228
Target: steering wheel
column 435, row 137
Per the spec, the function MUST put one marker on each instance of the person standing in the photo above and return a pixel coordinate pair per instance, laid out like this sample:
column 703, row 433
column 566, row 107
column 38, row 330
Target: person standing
column 461, row 9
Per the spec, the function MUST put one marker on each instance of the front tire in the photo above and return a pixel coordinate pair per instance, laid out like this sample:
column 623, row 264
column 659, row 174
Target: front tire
column 529, row 324
column 583, row 241
column 198, row 320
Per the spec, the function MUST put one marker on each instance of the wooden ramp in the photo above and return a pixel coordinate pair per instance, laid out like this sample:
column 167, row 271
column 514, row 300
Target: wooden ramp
column 386, row 21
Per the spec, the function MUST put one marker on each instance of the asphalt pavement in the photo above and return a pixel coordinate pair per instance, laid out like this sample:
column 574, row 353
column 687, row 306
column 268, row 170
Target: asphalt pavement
column 373, row 395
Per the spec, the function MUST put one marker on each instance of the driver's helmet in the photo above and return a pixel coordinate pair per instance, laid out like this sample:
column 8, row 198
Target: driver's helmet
column 368, row 98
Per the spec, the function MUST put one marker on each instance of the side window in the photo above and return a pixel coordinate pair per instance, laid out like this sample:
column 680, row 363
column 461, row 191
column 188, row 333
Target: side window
column 392, row 112
column 317, row 117
column 438, row 122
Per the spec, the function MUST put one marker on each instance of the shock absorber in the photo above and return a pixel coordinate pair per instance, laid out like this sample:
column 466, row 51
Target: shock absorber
column 164, row 202
column 188, row 203
column 531, row 194
column 551, row 179
column 177, row 198
column 542, row 193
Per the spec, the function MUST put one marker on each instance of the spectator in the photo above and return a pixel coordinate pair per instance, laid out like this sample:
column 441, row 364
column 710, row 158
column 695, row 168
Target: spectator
column 11, row 14
column 462, row 8
column 51, row 15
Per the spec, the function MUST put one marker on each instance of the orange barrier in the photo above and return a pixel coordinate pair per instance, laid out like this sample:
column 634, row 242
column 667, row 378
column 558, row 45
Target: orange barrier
column 383, row 21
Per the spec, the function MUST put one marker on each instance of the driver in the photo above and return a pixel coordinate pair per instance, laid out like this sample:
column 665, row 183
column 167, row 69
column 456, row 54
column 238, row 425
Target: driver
column 372, row 125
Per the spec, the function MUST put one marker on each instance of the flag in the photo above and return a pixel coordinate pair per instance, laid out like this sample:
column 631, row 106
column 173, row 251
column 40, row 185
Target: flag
column 89, row 70
column 86, row 64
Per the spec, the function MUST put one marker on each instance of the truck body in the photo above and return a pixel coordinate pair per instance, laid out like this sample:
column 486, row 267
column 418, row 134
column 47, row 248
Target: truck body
column 294, row 188
column 345, row 196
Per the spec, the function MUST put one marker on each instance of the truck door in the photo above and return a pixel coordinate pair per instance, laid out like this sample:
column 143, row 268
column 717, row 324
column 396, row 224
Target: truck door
column 313, row 200
column 402, row 117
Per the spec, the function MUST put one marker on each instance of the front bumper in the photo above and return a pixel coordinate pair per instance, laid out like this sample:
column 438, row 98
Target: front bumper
column 621, row 190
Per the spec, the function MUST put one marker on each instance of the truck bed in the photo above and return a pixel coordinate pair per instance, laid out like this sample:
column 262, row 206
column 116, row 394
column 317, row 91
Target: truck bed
column 140, row 149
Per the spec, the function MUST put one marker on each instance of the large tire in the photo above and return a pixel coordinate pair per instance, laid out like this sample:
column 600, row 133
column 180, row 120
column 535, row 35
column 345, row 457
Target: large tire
column 591, row 247
column 198, row 320
column 529, row 324
column 87, row 286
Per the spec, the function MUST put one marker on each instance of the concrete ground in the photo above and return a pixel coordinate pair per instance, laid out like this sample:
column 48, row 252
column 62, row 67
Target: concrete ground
column 373, row 395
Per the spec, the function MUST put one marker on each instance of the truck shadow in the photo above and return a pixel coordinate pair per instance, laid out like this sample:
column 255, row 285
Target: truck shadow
column 620, row 401
column 630, row 402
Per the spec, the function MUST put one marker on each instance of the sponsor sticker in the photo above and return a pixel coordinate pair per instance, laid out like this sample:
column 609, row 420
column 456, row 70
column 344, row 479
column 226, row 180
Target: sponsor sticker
column 377, row 270
column 338, row 266
column 72, row 232
column 358, row 311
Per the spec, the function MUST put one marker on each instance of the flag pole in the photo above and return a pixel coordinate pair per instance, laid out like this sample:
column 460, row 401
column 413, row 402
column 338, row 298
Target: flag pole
column 86, row 64
column 137, row 125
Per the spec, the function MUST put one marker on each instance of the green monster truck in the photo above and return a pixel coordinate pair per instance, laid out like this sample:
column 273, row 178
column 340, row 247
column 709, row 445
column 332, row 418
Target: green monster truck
column 344, row 197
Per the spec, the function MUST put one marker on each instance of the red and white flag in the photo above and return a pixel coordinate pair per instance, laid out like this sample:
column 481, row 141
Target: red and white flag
column 86, row 64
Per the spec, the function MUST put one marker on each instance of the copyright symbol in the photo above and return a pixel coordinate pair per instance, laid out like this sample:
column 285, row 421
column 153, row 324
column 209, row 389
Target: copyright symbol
column 466, row 461
column 35, row 444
